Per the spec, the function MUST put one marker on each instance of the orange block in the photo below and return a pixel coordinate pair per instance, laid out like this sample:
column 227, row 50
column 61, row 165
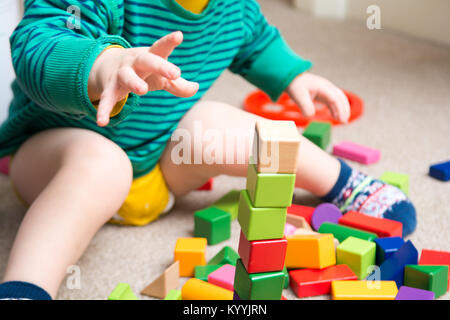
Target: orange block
column 315, row 251
column 190, row 252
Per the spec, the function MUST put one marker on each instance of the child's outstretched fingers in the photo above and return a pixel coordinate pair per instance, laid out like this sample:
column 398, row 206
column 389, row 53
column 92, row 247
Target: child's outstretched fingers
column 163, row 47
column 302, row 97
column 336, row 101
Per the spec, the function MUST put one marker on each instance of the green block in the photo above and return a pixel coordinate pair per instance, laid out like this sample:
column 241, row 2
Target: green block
column 258, row 286
column 342, row 232
column 229, row 203
column 260, row 223
column 399, row 180
column 202, row 272
column 122, row 292
column 432, row 278
column 213, row 224
column 270, row 189
column 286, row 278
column 225, row 256
column 358, row 254
column 319, row 133
column 173, row 295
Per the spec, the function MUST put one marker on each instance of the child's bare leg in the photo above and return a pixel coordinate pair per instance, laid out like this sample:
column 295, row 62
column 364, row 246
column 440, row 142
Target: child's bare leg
column 75, row 180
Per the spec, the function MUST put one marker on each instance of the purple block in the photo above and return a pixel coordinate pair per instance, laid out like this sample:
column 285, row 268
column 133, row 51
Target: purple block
column 235, row 296
column 325, row 212
column 408, row 293
column 4, row 165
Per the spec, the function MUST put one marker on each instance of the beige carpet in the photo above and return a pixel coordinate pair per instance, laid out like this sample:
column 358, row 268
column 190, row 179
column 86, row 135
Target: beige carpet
column 405, row 85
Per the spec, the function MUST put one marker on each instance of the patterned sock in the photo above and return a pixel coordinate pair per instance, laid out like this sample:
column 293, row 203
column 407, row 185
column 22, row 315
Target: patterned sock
column 355, row 191
column 18, row 290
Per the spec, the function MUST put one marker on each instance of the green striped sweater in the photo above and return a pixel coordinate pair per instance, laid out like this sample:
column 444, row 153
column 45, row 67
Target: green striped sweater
column 52, row 59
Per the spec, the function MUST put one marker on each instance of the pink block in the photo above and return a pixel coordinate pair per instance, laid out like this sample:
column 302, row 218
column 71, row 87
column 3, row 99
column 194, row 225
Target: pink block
column 289, row 229
column 356, row 152
column 4, row 165
column 223, row 277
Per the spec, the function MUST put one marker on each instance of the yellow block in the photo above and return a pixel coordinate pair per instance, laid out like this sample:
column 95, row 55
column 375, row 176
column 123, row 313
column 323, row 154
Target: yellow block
column 190, row 252
column 196, row 289
column 315, row 251
column 363, row 290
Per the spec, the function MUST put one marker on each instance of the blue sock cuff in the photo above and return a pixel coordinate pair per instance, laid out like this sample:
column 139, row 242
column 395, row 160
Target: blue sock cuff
column 22, row 290
column 344, row 174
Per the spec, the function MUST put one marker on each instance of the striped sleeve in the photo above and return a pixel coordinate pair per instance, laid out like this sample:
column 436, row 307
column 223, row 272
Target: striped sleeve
column 54, row 47
column 265, row 59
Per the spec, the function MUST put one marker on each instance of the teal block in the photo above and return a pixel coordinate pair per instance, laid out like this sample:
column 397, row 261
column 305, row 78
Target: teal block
column 202, row 272
column 213, row 224
column 225, row 256
column 318, row 133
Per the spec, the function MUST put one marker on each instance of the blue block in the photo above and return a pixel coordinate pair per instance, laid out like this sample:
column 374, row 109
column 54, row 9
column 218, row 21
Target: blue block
column 440, row 171
column 386, row 247
column 394, row 267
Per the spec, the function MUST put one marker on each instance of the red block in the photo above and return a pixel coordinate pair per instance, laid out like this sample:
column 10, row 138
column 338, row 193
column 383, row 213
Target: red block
column 302, row 211
column 382, row 227
column 4, row 165
column 315, row 282
column 262, row 255
column 207, row 186
column 436, row 258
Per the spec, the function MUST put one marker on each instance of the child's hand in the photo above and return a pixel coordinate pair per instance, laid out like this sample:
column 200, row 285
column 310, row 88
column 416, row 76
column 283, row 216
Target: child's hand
column 117, row 72
column 306, row 88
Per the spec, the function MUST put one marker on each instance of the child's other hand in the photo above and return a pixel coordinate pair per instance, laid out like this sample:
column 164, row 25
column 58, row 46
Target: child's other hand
column 307, row 87
column 117, row 72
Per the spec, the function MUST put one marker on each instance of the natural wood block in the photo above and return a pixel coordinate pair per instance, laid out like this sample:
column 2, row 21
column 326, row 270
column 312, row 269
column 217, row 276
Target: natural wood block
column 167, row 281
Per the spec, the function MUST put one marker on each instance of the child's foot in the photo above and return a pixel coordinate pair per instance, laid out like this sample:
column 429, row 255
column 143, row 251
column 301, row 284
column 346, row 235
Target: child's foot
column 355, row 191
column 18, row 290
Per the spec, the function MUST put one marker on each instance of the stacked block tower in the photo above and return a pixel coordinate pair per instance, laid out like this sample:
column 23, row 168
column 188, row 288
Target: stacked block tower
column 262, row 211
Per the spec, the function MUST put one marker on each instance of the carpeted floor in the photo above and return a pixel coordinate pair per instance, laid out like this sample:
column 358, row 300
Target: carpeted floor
column 405, row 85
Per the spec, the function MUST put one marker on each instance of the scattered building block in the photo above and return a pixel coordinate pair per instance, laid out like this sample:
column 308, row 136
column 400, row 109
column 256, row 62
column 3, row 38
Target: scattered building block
column 302, row 211
column 190, row 252
column 386, row 247
column 235, row 296
column 213, row 224
column 289, row 229
column 275, row 146
column 195, row 289
column 432, row 278
column 313, row 282
column 258, row 286
column 440, row 171
column 202, row 272
column 207, row 186
column 358, row 254
column 434, row 257
column 4, row 165
column 303, row 231
column 260, row 223
column 229, row 203
column 122, row 292
column 297, row 221
column 286, row 278
column 168, row 280
column 341, row 232
column 310, row 251
column 382, row 227
column 393, row 268
column 226, row 255
column 262, row 255
column 318, row 133
column 223, row 277
column 173, row 295
column 356, row 152
column 325, row 212
column 399, row 180
column 408, row 293
column 270, row 189
column 363, row 290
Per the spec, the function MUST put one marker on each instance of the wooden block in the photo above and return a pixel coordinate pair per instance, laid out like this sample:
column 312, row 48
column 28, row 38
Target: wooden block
column 408, row 293
column 173, row 295
column 382, row 227
column 229, row 203
column 202, row 272
column 289, row 229
column 297, row 221
column 313, row 282
column 356, row 152
column 318, row 133
column 4, row 165
column 399, row 180
column 341, row 232
column 122, row 292
column 434, row 257
column 262, row 255
column 270, row 189
column 358, row 254
column 363, row 290
column 226, row 255
column 207, row 186
column 432, row 278
column 386, row 247
column 190, row 252
column 303, row 231
column 440, row 171
column 275, row 146
column 195, row 289
column 223, row 277
column 260, row 223
column 310, row 251
column 258, row 286
column 213, row 224
column 302, row 211
column 168, row 280
column 325, row 212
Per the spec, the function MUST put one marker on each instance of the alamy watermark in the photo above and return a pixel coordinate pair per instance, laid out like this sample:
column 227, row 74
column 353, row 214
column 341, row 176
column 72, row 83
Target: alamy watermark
column 74, row 20
column 373, row 22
